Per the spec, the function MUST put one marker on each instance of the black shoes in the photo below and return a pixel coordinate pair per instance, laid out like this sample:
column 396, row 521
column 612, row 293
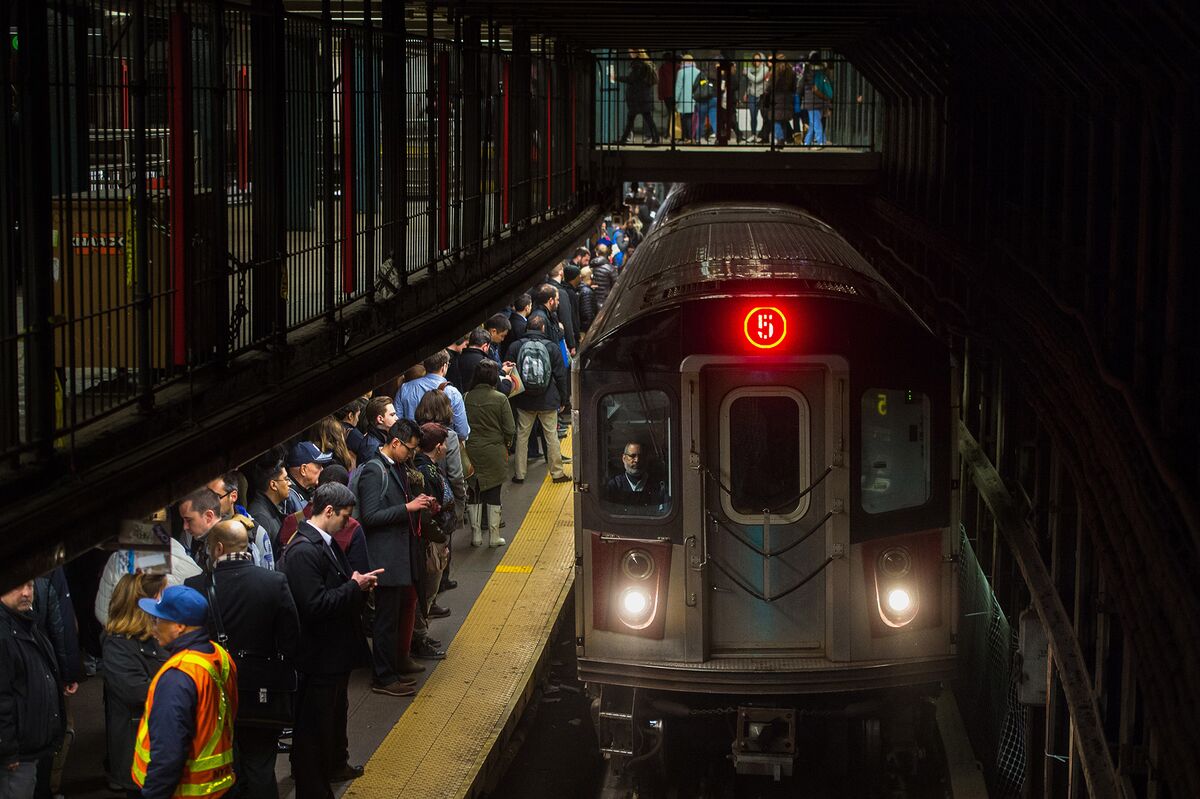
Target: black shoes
column 566, row 478
column 346, row 773
column 436, row 611
column 424, row 650
column 448, row 584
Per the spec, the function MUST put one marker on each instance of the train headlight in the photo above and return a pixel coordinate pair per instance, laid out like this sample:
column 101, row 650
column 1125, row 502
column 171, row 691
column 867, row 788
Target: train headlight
column 895, row 562
column 636, row 608
column 898, row 601
column 637, row 564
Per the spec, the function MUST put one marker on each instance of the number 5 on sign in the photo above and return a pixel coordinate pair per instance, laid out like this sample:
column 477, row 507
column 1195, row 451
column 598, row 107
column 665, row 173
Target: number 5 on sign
column 881, row 404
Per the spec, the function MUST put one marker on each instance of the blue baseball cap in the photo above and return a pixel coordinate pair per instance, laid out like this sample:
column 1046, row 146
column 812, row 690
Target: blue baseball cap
column 303, row 452
column 179, row 604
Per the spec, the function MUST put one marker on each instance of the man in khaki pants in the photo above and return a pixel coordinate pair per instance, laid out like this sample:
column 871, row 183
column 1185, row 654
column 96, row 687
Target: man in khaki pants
column 542, row 370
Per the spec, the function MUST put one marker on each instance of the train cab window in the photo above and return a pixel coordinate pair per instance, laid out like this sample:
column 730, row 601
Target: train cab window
column 765, row 453
column 635, row 443
column 894, row 472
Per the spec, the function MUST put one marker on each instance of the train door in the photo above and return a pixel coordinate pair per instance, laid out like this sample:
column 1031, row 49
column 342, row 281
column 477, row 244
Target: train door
column 764, row 446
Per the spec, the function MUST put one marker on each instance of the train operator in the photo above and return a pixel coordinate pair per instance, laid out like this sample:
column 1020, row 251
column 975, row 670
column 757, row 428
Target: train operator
column 634, row 486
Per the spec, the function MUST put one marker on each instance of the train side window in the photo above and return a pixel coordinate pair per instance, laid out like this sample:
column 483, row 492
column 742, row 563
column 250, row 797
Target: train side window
column 765, row 453
column 635, row 443
column 894, row 471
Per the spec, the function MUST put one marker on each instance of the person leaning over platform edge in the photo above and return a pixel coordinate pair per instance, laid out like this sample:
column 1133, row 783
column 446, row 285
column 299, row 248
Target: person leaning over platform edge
column 259, row 617
column 32, row 709
column 185, row 739
column 389, row 512
column 329, row 598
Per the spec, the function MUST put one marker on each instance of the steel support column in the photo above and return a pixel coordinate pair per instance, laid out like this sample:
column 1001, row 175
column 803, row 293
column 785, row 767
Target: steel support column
column 521, row 146
column 394, row 218
column 268, row 169
column 9, row 258
column 471, row 143
column 35, row 245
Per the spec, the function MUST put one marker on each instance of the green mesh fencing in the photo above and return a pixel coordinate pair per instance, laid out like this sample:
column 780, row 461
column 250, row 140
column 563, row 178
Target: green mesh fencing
column 986, row 688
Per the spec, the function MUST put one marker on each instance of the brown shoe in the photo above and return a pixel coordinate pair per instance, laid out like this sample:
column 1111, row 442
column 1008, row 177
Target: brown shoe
column 394, row 689
column 410, row 666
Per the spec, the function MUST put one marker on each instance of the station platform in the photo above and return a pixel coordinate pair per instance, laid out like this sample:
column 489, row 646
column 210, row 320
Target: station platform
column 447, row 740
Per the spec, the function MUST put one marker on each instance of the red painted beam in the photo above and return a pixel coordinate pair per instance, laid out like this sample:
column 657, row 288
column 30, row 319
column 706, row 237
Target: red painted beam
column 242, row 123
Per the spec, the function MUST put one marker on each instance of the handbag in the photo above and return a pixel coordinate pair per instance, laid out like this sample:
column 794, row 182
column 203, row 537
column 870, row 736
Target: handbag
column 266, row 683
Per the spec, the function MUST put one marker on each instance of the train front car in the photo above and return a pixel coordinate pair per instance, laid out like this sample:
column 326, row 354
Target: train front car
column 764, row 504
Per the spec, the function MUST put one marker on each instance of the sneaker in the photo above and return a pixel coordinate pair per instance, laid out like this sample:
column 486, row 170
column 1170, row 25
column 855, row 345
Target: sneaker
column 427, row 651
column 436, row 611
column 397, row 688
column 562, row 478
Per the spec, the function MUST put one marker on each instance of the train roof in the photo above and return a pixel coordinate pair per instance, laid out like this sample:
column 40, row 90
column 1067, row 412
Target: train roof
column 714, row 240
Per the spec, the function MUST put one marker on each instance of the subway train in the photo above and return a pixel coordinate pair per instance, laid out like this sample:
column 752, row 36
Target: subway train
column 765, row 505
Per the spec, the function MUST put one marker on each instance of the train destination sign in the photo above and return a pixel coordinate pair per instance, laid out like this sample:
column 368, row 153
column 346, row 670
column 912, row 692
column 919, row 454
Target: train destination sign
column 765, row 327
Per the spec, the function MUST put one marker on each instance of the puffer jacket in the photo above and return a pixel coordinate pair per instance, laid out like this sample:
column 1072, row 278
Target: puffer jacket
column 603, row 277
column 587, row 306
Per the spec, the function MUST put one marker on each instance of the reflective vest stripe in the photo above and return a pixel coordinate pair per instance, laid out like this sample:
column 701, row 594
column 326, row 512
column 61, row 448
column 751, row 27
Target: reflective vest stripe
column 209, row 771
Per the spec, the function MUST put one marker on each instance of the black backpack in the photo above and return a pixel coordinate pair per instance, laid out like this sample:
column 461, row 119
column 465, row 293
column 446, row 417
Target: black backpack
column 702, row 89
column 534, row 366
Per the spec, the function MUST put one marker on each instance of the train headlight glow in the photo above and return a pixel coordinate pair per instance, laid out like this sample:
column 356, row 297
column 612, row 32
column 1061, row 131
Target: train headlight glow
column 898, row 601
column 635, row 607
column 634, row 603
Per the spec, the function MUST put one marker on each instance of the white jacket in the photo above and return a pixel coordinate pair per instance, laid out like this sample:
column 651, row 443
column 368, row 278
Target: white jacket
column 182, row 567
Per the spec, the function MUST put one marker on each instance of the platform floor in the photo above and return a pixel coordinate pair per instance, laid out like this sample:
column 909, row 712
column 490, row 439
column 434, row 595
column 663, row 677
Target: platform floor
column 503, row 611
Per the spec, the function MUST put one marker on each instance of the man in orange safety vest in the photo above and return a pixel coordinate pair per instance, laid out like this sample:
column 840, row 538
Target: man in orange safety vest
column 184, row 743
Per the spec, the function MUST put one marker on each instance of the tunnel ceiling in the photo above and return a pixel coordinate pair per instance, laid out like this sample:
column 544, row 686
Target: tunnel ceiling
column 904, row 47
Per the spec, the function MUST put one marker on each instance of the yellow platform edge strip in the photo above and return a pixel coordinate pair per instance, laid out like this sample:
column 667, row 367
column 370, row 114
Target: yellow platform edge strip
column 443, row 741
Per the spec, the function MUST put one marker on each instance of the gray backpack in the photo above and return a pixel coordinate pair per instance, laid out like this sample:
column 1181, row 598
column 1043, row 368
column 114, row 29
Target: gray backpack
column 534, row 366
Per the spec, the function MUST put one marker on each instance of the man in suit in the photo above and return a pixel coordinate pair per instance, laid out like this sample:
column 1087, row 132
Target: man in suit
column 329, row 597
column 390, row 515
column 258, row 616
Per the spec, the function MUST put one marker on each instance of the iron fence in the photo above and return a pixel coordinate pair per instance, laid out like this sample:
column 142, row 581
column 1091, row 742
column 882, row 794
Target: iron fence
column 772, row 99
column 184, row 181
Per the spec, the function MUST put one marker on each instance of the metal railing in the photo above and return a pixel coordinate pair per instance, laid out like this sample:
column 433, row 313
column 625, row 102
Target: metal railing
column 185, row 181
column 778, row 99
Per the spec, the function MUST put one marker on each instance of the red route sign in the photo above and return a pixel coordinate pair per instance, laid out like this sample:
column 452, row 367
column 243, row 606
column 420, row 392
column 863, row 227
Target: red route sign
column 765, row 327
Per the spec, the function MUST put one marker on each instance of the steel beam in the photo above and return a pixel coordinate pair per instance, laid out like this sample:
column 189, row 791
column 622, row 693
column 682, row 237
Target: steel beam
column 1094, row 756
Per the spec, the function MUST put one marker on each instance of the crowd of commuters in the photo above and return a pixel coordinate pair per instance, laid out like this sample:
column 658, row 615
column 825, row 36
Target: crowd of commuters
column 271, row 584
column 787, row 100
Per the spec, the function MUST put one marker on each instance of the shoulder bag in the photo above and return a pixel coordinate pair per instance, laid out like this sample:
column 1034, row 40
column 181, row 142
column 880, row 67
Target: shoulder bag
column 266, row 683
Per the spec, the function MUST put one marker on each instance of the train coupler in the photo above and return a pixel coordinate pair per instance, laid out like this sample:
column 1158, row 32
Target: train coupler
column 766, row 741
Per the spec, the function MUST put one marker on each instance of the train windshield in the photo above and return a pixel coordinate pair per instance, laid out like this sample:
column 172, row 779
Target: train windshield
column 894, row 470
column 635, row 442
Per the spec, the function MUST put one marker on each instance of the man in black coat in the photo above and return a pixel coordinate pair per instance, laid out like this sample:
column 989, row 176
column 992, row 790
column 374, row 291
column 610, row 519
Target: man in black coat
column 567, row 312
column 329, row 599
column 540, row 404
column 260, row 625
column 32, row 712
column 521, row 308
column 390, row 516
